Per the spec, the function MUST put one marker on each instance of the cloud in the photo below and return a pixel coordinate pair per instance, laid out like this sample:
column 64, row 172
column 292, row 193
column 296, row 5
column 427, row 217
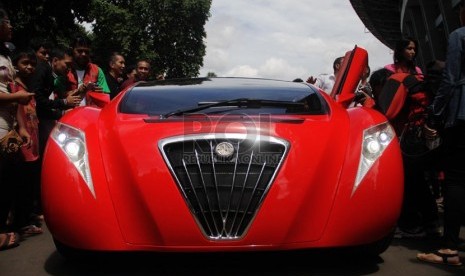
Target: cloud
column 284, row 39
column 243, row 71
column 272, row 68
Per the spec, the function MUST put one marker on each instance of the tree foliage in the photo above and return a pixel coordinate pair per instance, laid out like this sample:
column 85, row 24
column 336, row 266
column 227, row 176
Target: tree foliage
column 211, row 75
column 53, row 20
column 169, row 33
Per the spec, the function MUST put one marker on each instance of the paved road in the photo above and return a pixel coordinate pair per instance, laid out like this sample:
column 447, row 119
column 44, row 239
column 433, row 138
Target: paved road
column 37, row 256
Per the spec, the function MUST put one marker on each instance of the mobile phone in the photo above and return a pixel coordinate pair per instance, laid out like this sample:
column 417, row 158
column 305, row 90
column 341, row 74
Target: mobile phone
column 91, row 86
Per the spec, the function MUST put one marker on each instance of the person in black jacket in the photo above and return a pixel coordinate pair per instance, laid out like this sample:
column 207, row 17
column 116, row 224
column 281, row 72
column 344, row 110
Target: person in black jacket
column 447, row 112
column 114, row 75
column 50, row 108
column 51, row 101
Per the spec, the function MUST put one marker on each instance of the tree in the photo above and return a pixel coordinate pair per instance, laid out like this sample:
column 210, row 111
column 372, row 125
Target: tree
column 170, row 33
column 53, row 20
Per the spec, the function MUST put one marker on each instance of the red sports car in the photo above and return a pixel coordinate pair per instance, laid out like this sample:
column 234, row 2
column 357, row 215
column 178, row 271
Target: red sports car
column 224, row 164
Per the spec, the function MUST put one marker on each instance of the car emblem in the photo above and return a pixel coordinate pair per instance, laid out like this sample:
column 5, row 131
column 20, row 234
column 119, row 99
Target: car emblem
column 224, row 149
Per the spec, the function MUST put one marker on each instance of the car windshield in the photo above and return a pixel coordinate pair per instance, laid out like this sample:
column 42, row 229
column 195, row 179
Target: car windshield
column 222, row 96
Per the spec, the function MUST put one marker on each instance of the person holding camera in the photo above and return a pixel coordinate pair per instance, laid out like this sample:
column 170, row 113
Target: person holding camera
column 84, row 75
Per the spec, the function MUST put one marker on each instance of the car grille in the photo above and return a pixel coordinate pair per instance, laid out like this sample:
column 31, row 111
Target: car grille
column 224, row 192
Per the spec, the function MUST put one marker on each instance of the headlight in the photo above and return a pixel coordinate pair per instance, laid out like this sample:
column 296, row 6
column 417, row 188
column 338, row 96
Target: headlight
column 73, row 143
column 375, row 141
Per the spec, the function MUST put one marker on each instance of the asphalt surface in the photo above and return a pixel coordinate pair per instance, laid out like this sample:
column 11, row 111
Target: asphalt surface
column 37, row 256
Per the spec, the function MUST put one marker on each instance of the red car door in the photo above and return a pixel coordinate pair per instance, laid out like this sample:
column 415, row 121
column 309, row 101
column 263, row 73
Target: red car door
column 349, row 76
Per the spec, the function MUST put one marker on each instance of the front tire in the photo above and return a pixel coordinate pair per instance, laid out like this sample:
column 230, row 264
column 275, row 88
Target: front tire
column 73, row 254
column 378, row 247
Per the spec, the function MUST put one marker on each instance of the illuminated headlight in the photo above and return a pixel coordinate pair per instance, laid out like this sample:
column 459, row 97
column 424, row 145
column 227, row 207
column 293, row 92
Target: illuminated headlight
column 74, row 149
column 371, row 148
column 375, row 141
column 73, row 143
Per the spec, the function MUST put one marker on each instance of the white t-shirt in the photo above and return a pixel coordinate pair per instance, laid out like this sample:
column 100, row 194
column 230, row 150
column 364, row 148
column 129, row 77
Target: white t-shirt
column 326, row 82
column 7, row 111
column 80, row 77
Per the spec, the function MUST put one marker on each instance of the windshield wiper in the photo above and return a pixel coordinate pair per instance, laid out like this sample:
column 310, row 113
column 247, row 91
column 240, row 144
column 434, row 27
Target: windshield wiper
column 240, row 102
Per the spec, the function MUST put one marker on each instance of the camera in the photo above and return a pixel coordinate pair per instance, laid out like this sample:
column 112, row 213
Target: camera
column 91, row 86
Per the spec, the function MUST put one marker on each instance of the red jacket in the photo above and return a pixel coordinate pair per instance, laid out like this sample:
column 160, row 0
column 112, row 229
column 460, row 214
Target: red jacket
column 90, row 75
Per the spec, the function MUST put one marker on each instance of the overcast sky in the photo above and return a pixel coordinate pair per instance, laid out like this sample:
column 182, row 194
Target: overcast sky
column 284, row 39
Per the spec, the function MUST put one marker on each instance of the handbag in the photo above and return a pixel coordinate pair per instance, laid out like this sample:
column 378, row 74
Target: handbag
column 10, row 144
column 413, row 142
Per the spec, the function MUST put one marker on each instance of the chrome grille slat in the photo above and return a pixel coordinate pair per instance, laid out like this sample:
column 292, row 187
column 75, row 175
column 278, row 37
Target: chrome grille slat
column 224, row 193
column 215, row 181
column 233, row 180
column 195, row 194
column 242, row 195
column 206, row 192
column 253, row 193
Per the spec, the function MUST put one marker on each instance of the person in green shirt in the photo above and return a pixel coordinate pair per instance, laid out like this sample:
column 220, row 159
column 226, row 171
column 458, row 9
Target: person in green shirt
column 85, row 75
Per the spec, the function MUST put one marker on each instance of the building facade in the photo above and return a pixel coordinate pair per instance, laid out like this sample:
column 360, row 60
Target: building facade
column 428, row 21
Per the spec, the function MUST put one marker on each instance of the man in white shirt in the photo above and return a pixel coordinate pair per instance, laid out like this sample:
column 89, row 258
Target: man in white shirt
column 326, row 81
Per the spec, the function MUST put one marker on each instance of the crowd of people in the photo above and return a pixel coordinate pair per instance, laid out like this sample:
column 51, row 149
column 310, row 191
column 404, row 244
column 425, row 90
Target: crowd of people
column 431, row 130
column 38, row 85
column 419, row 217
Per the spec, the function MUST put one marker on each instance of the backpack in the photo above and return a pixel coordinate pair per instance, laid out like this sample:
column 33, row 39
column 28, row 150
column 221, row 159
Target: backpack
column 403, row 101
column 394, row 94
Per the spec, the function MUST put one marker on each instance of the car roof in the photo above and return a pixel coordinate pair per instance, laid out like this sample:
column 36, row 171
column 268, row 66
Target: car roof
column 227, row 83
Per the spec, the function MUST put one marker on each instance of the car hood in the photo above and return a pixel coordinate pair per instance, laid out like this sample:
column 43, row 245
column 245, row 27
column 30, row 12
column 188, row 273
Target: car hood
column 150, row 202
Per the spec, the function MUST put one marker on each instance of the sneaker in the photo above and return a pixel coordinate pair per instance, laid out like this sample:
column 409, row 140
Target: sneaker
column 414, row 233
